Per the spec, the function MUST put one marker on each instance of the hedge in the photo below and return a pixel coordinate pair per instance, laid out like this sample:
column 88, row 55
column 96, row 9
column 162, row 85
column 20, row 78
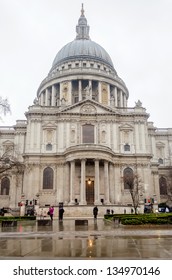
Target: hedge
column 140, row 219
column 17, row 218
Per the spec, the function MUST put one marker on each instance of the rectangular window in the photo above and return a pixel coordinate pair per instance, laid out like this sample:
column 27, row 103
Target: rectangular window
column 76, row 99
column 88, row 133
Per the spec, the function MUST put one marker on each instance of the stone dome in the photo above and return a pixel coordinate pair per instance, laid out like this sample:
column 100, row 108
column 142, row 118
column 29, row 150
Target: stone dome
column 82, row 48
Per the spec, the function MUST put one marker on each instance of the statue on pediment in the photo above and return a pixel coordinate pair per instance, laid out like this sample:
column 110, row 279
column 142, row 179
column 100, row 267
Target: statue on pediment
column 138, row 103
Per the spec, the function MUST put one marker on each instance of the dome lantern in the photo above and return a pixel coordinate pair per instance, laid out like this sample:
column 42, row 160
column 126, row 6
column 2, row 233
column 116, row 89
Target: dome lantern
column 82, row 29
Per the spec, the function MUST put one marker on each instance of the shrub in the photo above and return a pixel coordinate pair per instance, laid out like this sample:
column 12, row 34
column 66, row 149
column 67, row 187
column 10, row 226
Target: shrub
column 17, row 218
column 140, row 219
column 131, row 222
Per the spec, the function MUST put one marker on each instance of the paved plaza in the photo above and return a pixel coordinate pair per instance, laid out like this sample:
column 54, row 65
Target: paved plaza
column 97, row 240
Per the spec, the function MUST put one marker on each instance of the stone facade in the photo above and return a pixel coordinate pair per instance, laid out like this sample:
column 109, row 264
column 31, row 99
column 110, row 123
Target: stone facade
column 80, row 136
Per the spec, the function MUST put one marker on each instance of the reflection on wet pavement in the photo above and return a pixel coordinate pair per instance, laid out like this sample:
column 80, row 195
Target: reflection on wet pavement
column 99, row 239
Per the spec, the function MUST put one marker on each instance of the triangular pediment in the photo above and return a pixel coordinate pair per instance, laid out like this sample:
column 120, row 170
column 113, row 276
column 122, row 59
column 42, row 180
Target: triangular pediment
column 126, row 126
column 8, row 143
column 47, row 125
column 88, row 107
column 160, row 144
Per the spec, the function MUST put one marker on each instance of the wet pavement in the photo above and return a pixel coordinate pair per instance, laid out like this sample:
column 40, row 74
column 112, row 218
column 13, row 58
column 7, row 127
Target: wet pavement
column 98, row 239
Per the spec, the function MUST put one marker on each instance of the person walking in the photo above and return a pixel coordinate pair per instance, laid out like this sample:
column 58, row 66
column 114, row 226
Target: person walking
column 61, row 211
column 51, row 211
column 95, row 212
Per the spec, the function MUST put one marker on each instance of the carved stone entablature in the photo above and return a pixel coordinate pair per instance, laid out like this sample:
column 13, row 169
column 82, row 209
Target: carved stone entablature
column 61, row 164
column 46, row 192
column 36, row 119
column 137, row 121
column 155, row 173
column 88, row 109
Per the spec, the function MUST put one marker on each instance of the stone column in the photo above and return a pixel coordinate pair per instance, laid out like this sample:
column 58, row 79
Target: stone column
column 42, row 98
column 97, row 187
column 125, row 101
column 156, row 192
column 82, row 190
column 111, row 183
column 117, row 187
column 70, row 93
column 32, row 134
column 99, row 92
column 116, row 97
column 61, row 93
column 106, row 182
column 46, row 97
column 121, row 99
column 143, row 135
column 80, row 90
column 108, row 89
column 90, row 88
column 72, row 183
column 67, row 185
column 53, row 100
column 136, row 140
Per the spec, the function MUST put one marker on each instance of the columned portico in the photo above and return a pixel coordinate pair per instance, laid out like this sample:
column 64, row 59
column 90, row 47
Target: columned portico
column 88, row 181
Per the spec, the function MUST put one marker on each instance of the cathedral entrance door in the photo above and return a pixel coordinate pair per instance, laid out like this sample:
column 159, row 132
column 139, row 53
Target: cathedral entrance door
column 90, row 192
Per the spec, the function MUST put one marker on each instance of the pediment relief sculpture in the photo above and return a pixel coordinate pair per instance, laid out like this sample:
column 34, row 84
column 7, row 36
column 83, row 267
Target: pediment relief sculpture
column 88, row 109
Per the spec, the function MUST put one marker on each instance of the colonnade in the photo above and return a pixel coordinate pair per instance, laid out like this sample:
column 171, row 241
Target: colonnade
column 84, row 177
column 54, row 94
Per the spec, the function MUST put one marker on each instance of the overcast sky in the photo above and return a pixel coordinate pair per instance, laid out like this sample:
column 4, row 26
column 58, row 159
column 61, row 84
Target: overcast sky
column 137, row 34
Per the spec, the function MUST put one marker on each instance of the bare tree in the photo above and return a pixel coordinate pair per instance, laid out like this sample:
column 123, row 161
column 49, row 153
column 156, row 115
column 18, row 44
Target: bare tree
column 169, row 190
column 9, row 161
column 4, row 106
column 134, row 185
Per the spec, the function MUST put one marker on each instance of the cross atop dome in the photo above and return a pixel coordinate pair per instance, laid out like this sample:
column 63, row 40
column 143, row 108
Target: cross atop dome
column 82, row 29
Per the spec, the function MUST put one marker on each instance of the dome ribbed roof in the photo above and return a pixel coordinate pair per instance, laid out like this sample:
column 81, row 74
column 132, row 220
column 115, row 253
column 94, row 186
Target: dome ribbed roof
column 82, row 49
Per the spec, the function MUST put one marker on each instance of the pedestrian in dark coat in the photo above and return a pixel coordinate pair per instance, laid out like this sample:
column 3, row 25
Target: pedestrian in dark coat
column 61, row 211
column 95, row 212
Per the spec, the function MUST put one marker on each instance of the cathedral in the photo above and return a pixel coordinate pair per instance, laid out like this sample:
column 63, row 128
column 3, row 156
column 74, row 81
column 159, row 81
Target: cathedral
column 80, row 139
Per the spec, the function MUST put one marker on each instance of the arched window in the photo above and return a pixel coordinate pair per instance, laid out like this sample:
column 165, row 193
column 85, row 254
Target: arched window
column 128, row 178
column 88, row 133
column 126, row 147
column 48, row 178
column 160, row 160
column 5, row 186
column 49, row 147
column 163, row 186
